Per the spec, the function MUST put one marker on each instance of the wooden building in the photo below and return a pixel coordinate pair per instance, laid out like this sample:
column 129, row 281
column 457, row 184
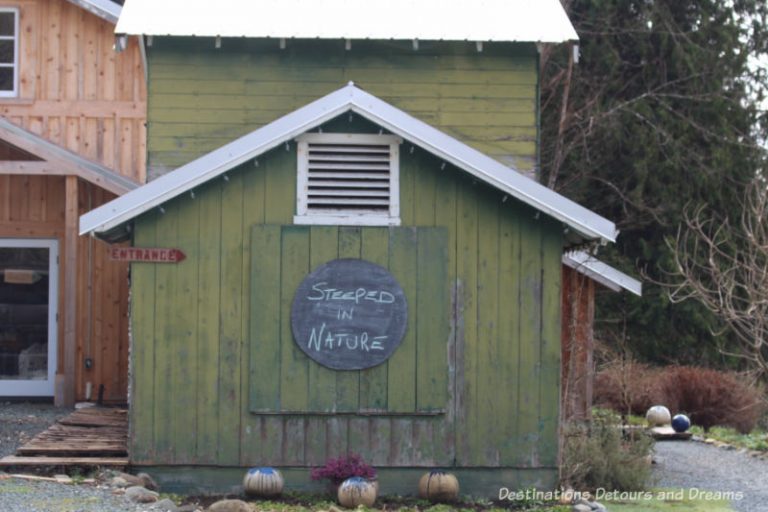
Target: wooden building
column 72, row 137
column 582, row 273
column 289, row 192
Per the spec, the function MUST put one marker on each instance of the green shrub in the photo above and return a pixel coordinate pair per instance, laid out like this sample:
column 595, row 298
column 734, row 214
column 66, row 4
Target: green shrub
column 600, row 455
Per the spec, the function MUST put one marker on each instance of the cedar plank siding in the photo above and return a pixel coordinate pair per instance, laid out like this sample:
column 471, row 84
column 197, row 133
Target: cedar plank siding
column 198, row 343
column 75, row 91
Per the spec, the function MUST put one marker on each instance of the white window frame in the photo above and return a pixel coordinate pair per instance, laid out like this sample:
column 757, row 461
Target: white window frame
column 19, row 387
column 342, row 217
column 15, row 66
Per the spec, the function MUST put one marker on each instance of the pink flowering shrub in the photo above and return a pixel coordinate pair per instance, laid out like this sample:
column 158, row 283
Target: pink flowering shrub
column 339, row 469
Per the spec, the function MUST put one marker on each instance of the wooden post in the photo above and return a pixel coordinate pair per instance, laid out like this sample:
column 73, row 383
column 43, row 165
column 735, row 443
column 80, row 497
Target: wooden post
column 69, row 262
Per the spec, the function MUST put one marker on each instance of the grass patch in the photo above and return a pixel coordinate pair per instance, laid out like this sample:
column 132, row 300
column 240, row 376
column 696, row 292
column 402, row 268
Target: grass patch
column 755, row 440
column 664, row 500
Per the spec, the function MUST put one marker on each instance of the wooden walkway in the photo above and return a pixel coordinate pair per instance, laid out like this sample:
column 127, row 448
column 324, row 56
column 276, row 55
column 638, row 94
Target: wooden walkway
column 88, row 437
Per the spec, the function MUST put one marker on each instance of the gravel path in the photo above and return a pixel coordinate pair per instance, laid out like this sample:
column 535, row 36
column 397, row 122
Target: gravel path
column 18, row 495
column 19, row 422
column 689, row 464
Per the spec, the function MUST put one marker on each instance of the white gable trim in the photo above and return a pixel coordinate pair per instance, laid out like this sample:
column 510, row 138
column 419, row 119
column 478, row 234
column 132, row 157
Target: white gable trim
column 606, row 275
column 585, row 222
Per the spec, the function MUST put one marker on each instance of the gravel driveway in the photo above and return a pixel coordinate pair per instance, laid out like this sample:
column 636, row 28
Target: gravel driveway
column 19, row 422
column 690, row 464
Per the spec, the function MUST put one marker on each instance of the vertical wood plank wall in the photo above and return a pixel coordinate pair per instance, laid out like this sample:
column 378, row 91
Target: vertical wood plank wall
column 75, row 90
column 33, row 207
column 192, row 346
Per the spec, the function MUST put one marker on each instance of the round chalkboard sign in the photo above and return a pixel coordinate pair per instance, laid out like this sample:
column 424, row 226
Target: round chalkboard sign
column 349, row 314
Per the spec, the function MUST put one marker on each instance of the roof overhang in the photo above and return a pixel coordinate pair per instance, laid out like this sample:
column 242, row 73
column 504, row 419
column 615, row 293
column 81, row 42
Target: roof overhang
column 441, row 20
column 55, row 160
column 586, row 223
column 606, row 275
column 104, row 9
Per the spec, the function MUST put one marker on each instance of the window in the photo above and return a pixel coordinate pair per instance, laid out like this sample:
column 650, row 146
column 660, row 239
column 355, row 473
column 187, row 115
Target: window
column 349, row 179
column 9, row 52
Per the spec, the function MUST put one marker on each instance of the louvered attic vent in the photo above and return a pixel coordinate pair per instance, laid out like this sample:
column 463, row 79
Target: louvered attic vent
column 348, row 179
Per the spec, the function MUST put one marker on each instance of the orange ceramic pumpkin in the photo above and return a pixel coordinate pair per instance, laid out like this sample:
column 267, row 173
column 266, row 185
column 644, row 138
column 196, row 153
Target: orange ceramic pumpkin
column 439, row 486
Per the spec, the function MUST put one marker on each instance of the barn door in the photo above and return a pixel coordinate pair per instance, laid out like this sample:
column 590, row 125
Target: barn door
column 28, row 291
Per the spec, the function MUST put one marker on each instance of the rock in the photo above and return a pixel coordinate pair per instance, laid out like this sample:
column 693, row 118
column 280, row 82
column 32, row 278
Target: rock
column 597, row 507
column 579, row 507
column 165, row 505
column 119, row 482
column 230, row 506
column 129, row 479
column 63, row 479
column 139, row 494
column 149, row 482
column 189, row 508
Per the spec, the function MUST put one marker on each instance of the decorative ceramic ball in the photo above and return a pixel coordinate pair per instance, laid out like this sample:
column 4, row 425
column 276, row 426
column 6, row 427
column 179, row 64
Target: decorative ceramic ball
column 658, row 415
column 681, row 423
column 263, row 482
column 356, row 491
column 439, row 486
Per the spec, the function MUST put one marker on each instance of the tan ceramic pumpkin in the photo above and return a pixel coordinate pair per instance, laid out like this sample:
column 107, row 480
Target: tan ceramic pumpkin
column 263, row 482
column 439, row 486
column 356, row 491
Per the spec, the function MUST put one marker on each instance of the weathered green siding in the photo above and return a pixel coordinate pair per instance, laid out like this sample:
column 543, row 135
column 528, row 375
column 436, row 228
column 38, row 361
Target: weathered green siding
column 193, row 339
column 281, row 256
column 201, row 98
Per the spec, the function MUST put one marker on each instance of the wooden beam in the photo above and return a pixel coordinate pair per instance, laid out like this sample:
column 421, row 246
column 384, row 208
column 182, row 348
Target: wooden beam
column 99, row 109
column 69, row 347
column 55, row 158
column 12, row 460
column 22, row 229
column 30, row 167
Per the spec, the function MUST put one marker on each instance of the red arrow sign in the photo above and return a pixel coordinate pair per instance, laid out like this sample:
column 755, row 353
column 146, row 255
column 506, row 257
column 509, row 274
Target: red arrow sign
column 147, row 254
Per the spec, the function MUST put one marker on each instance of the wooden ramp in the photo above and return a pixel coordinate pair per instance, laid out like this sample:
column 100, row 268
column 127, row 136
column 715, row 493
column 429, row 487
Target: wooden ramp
column 93, row 436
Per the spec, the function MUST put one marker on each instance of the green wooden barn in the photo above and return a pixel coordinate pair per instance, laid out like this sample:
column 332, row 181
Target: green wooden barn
column 367, row 267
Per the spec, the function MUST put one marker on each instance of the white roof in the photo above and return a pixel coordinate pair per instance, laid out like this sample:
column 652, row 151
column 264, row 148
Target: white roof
column 454, row 20
column 105, row 9
column 586, row 223
column 604, row 274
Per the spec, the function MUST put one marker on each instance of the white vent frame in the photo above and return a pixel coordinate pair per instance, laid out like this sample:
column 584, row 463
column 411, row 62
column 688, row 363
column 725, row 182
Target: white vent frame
column 307, row 215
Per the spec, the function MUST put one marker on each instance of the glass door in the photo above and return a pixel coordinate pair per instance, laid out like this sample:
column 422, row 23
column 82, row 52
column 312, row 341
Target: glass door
column 28, row 292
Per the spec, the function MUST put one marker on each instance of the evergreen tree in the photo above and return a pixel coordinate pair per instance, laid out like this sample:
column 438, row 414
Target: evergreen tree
column 660, row 114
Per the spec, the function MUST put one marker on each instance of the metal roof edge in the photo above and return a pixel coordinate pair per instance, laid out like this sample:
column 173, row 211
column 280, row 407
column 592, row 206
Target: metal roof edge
column 350, row 97
column 104, row 9
column 603, row 273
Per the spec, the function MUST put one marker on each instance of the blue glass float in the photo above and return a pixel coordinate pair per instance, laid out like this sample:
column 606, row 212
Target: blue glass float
column 681, row 423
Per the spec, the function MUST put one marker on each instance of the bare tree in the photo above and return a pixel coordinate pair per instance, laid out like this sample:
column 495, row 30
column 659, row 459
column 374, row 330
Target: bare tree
column 723, row 264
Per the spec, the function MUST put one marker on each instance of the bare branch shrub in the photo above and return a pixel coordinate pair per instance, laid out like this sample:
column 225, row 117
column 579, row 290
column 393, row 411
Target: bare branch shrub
column 723, row 264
